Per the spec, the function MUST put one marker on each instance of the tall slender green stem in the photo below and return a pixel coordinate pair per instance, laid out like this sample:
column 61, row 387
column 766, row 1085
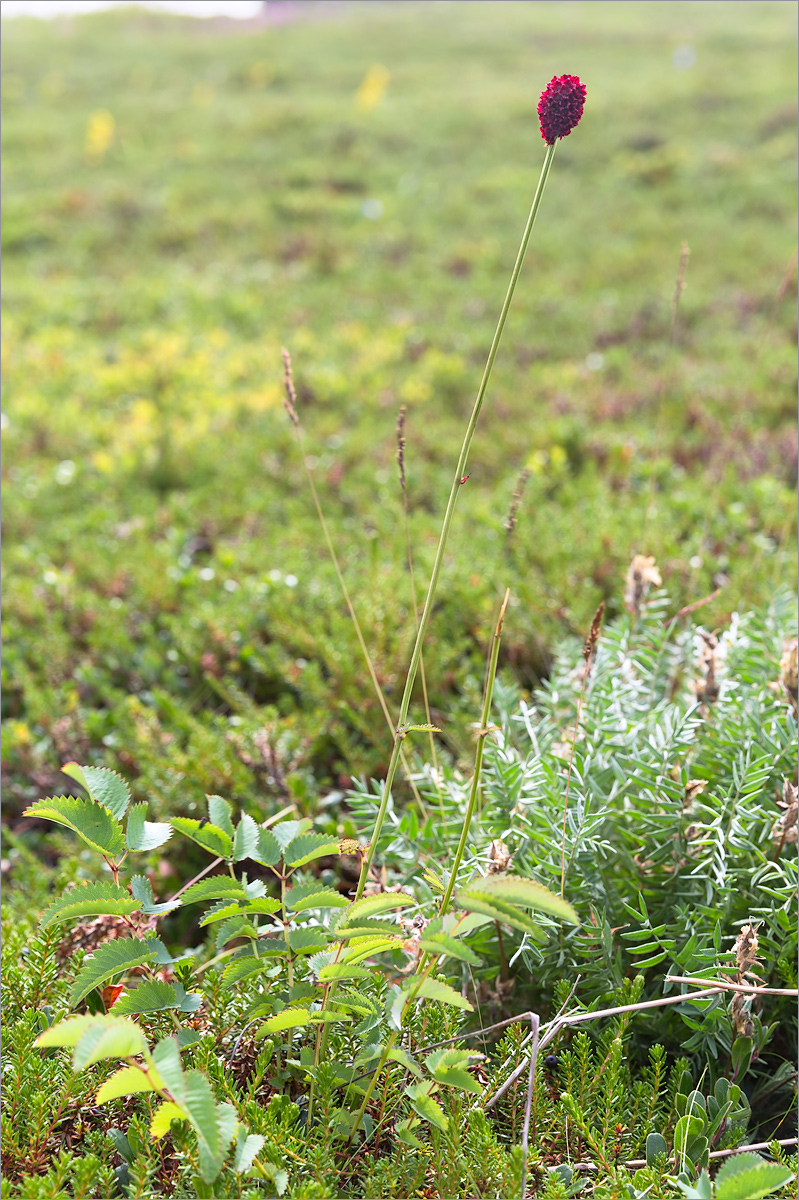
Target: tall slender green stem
column 442, row 544
column 482, row 733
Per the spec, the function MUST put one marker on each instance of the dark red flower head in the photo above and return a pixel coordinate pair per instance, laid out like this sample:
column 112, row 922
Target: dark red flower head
column 560, row 107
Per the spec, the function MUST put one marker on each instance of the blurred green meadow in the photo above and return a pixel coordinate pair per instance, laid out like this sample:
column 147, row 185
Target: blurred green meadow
column 182, row 198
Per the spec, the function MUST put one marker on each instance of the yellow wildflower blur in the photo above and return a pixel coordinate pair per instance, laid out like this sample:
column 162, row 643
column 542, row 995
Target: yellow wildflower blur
column 99, row 134
column 372, row 88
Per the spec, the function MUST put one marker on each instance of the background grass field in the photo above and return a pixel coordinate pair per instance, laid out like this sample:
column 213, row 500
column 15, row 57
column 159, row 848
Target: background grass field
column 182, row 198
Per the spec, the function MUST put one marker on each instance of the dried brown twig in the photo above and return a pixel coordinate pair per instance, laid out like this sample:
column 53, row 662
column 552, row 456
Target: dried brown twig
column 727, row 986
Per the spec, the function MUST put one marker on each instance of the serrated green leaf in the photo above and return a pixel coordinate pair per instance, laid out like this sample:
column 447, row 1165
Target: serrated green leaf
column 398, row 1055
column 188, row 1002
column 284, row 831
column 245, row 839
column 96, row 825
column 511, row 890
column 436, row 989
column 142, row 890
column 217, row 887
column 144, row 835
column 242, row 968
column 298, row 899
column 424, row 1104
column 361, row 948
column 128, row 1082
column 289, row 1018
column 112, row 958
column 220, row 814
column 90, row 900
column 166, row 1057
column 442, row 943
column 221, row 911
column 234, row 927
column 308, row 940
column 357, row 1001
column 404, row 1131
column 120, row 1039
column 151, row 995
column 129, row 1038
column 265, row 906
column 306, row 847
column 751, row 1176
column 505, row 914
column 248, row 1146
column 342, row 971
column 215, row 1125
column 210, row 837
column 366, row 928
column 163, row 1117
column 106, row 787
column 370, row 906
column 268, row 851
column 449, row 1066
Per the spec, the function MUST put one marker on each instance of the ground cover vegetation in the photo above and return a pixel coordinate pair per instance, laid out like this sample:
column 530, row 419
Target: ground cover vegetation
column 617, row 826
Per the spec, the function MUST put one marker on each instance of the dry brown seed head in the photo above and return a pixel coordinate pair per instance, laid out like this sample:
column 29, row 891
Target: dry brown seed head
column 291, row 395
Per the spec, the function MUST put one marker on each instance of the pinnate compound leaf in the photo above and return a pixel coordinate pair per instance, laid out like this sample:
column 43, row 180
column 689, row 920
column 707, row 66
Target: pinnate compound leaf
column 248, row 1145
column 124, row 1038
column 90, row 900
column 518, row 893
column 163, row 1117
column 144, row 835
column 306, row 847
column 143, row 891
column 220, row 813
column 424, row 1104
column 210, row 837
column 751, row 1176
column 96, row 825
column 110, row 959
column 104, row 786
column 218, row 887
column 127, row 1082
column 443, row 943
column 245, row 839
column 151, row 995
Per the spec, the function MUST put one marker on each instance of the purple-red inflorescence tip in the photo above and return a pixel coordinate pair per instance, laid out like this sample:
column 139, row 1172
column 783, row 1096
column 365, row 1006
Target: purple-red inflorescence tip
column 560, row 107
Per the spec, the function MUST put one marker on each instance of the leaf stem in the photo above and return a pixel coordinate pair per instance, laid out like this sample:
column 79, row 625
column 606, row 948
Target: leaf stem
column 482, row 733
